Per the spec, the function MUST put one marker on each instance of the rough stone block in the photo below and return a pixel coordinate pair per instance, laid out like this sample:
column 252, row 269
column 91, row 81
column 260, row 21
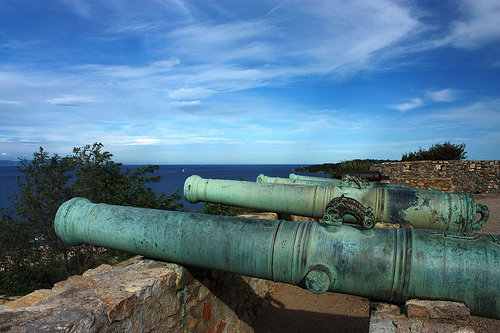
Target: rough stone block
column 436, row 309
column 139, row 296
column 259, row 215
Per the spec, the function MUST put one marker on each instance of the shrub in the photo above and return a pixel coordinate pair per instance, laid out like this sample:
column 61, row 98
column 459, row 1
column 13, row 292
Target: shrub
column 30, row 252
column 438, row 152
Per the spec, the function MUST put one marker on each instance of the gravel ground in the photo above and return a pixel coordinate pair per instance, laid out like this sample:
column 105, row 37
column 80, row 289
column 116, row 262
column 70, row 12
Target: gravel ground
column 297, row 310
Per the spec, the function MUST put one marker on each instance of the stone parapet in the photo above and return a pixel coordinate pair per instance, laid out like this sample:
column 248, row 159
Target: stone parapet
column 427, row 316
column 446, row 176
column 141, row 296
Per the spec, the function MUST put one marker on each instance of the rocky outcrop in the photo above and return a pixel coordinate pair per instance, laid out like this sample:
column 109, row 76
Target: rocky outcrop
column 141, row 296
column 428, row 316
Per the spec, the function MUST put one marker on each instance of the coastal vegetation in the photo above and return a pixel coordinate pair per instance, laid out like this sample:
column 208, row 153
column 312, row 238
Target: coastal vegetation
column 438, row 152
column 31, row 255
column 351, row 165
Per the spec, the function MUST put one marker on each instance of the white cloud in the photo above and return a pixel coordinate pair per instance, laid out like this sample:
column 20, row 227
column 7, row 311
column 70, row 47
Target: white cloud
column 294, row 40
column 11, row 102
column 443, row 95
column 71, row 100
column 142, row 141
column 479, row 26
column 186, row 103
column 210, row 48
column 19, row 44
column 403, row 107
column 481, row 114
column 191, row 93
column 158, row 68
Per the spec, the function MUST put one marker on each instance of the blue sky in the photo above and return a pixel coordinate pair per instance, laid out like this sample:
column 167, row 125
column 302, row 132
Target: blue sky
column 306, row 82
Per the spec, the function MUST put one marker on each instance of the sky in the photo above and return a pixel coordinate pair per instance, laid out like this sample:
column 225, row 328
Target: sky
column 249, row 82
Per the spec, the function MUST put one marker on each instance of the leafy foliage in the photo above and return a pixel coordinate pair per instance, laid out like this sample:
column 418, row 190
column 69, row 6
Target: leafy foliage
column 30, row 252
column 220, row 209
column 438, row 152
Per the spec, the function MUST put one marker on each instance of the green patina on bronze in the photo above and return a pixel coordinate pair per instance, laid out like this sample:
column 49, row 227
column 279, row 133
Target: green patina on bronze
column 424, row 209
column 385, row 264
column 346, row 180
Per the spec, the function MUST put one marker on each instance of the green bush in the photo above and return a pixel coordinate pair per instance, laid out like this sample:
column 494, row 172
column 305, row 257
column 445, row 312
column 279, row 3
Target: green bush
column 220, row 209
column 356, row 165
column 438, row 152
column 30, row 252
column 9, row 287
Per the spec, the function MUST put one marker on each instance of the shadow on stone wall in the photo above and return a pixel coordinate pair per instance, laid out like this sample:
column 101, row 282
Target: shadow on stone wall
column 241, row 295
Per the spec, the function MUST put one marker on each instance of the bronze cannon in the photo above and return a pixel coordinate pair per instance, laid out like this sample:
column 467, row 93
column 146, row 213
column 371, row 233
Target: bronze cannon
column 346, row 180
column 425, row 209
column 393, row 265
column 372, row 176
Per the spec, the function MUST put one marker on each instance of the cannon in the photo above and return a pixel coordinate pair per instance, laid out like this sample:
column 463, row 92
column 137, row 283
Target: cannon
column 372, row 176
column 392, row 265
column 294, row 179
column 424, row 209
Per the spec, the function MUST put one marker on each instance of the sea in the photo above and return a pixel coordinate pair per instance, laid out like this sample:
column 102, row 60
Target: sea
column 173, row 177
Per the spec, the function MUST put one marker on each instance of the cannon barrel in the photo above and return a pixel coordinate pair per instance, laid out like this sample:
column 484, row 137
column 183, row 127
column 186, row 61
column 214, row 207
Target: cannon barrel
column 424, row 209
column 294, row 179
column 393, row 265
column 372, row 176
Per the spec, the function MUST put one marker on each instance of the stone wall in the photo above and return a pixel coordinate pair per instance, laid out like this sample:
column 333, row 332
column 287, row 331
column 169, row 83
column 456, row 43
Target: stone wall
column 141, row 296
column 446, row 176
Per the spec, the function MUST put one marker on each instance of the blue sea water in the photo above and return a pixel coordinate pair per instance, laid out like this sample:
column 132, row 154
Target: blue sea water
column 173, row 177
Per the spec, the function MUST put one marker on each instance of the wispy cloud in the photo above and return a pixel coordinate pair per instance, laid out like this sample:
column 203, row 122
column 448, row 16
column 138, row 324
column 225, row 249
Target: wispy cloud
column 481, row 114
column 191, row 93
column 11, row 102
column 431, row 96
column 186, row 103
column 413, row 104
column 19, row 44
column 443, row 95
column 478, row 26
column 71, row 100
column 275, row 77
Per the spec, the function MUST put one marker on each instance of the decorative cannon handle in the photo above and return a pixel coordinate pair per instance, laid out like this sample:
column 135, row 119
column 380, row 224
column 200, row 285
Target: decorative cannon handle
column 485, row 215
column 339, row 207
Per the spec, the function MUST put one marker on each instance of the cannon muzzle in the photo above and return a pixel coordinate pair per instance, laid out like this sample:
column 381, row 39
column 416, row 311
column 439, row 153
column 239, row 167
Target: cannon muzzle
column 384, row 264
column 424, row 209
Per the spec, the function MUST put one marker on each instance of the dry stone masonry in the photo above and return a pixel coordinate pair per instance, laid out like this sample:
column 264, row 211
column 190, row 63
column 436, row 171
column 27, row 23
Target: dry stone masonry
column 446, row 176
column 141, row 296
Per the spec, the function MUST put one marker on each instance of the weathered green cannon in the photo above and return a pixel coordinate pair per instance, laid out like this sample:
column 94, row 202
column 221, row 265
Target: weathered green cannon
column 372, row 176
column 424, row 209
column 346, row 180
column 384, row 264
